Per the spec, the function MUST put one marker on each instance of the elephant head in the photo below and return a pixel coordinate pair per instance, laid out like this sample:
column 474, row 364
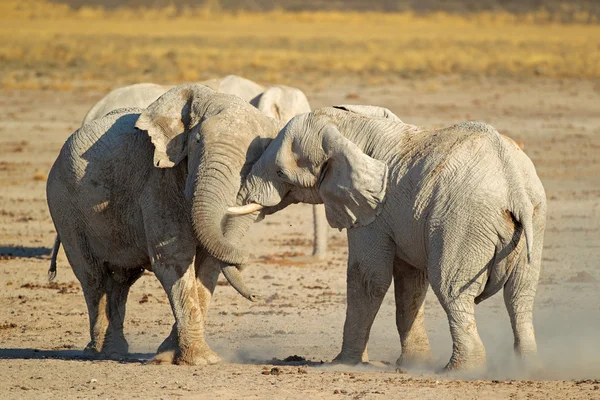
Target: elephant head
column 221, row 137
column 312, row 160
column 281, row 102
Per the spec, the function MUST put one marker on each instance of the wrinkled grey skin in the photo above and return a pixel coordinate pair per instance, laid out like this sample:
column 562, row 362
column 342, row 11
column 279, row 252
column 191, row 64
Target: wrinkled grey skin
column 459, row 208
column 122, row 194
column 279, row 102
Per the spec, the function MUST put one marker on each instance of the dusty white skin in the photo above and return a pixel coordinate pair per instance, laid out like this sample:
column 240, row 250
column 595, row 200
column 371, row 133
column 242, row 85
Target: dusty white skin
column 118, row 214
column 445, row 207
column 279, row 102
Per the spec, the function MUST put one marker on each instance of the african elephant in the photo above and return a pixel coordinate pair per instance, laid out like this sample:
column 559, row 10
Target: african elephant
column 279, row 102
column 148, row 189
column 442, row 207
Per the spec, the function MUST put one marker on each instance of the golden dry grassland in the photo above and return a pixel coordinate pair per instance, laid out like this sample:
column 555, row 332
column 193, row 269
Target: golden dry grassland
column 49, row 45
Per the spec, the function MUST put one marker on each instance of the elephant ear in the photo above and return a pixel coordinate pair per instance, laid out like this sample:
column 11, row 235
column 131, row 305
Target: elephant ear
column 269, row 102
column 168, row 121
column 282, row 102
column 370, row 111
column 352, row 184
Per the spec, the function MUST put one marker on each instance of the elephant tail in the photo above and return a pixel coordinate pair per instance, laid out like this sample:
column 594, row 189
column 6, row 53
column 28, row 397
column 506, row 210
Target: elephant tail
column 498, row 277
column 520, row 205
column 52, row 269
column 526, row 220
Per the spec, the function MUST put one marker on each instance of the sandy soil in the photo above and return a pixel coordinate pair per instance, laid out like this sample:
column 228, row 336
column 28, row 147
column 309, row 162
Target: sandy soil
column 44, row 327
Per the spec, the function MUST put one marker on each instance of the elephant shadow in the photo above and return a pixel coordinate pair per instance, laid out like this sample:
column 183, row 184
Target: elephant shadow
column 24, row 252
column 66, row 355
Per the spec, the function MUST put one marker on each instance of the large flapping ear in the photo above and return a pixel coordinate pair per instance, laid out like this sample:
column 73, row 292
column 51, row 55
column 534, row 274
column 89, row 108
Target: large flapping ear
column 370, row 111
column 352, row 184
column 168, row 121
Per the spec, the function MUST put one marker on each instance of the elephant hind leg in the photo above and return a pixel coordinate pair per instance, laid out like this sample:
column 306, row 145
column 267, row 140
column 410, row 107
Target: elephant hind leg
column 519, row 295
column 410, row 288
column 117, row 285
column 106, row 299
column 458, row 270
column 105, row 296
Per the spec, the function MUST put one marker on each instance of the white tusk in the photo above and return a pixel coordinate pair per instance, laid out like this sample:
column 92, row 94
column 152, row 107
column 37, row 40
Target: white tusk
column 242, row 210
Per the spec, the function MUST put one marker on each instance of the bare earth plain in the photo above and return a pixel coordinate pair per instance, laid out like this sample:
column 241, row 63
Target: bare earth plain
column 44, row 326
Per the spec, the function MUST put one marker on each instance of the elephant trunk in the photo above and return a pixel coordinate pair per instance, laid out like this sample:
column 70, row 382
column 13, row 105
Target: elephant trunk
column 234, row 277
column 216, row 187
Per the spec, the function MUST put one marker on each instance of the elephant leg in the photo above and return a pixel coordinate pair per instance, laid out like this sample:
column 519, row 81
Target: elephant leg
column 105, row 296
column 519, row 295
column 410, row 288
column 180, row 284
column 92, row 276
column 96, row 301
column 117, row 285
column 458, row 272
column 370, row 265
column 207, row 270
column 320, row 232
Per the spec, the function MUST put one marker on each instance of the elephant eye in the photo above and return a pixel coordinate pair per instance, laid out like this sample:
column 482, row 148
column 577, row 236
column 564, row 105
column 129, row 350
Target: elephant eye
column 281, row 174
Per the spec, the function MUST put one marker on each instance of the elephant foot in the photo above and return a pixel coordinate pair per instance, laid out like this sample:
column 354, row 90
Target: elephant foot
column 199, row 355
column 170, row 343
column 414, row 360
column 474, row 363
column 531, row 365
column 164, row 357
column 109, row 350
column 348, row 359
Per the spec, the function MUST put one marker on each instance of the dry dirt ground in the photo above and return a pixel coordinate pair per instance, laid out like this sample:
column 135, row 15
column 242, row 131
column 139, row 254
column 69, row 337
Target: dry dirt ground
column 44, row 327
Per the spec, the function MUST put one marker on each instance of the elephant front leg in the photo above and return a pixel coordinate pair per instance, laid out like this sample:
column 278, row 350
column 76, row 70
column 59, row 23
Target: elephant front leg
column 207, row 270
column 190, row 348
column 370, row 264
column 410, row 287
column 320, row 232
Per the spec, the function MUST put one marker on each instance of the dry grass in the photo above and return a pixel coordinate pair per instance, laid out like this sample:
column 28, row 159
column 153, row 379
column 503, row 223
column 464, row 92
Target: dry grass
column 45, row 45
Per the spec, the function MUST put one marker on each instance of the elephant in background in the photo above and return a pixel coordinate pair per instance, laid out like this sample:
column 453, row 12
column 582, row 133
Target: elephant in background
column 459, row 208
column 279, row 102
column 122, row 194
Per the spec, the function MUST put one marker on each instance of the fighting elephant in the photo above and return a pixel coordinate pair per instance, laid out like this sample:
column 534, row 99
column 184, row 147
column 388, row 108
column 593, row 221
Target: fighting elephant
column 459, row 208
column 148, row 189
column 279, row 102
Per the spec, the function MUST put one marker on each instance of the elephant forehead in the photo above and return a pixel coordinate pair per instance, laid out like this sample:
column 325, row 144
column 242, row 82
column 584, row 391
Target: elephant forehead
column 232, row 124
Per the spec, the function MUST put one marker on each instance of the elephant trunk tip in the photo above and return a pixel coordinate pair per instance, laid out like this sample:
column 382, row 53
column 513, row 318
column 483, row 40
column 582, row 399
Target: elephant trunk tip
column 234, row 277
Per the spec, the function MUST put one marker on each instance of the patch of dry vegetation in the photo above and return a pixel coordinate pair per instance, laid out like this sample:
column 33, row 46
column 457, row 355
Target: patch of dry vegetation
column 49, row 45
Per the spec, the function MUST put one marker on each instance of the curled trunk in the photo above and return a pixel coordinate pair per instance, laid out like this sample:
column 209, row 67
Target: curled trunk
column 216, row 187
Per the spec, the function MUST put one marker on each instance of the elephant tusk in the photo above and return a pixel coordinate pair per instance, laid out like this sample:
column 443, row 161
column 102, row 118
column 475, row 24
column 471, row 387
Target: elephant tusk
column 247, row 209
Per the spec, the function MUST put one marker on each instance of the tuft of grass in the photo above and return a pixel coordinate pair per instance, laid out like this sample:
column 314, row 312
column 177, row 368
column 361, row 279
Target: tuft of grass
column 44, row 45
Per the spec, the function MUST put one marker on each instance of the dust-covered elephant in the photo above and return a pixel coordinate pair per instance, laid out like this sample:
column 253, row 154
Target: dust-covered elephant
column 148, row 189
column 460, row 209
column 279, row 101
